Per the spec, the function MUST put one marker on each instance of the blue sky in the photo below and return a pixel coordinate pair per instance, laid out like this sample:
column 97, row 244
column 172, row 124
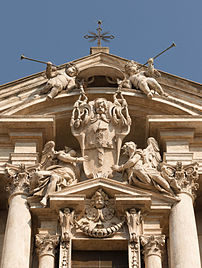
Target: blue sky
column 54, row 30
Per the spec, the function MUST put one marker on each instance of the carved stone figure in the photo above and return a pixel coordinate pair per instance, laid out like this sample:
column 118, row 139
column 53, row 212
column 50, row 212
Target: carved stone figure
column 99, row 218
column 100, row 127
column 66, row 218
column 142, row 167
column 57, row 170
column 58, row 81
column 143, row 80
column 134, row 220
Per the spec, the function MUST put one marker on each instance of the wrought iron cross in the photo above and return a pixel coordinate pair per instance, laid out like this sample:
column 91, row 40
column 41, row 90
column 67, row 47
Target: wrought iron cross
column 99, row 36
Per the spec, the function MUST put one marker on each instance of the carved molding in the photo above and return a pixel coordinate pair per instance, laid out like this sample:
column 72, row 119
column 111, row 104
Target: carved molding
column 153, row 245
column 46, row 244
column 65, row 252
column 134, row 254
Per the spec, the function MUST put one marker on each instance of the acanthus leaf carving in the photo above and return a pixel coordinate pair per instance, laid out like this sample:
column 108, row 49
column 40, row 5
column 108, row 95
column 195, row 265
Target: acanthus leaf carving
column 18, row 178
column 46, row 244
column 153, row 244
column 185, row 177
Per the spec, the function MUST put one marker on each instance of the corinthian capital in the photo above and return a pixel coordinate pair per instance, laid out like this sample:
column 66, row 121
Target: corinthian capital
column 18, row 178
column 182, row 178
column 46, row 244
column 153, row 245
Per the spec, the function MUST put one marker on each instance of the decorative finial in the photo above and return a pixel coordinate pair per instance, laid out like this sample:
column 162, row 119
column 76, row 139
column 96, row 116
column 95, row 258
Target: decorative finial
column 99, row 36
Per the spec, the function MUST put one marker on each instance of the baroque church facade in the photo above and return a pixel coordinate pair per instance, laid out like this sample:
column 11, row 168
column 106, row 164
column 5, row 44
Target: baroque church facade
column 101, row 166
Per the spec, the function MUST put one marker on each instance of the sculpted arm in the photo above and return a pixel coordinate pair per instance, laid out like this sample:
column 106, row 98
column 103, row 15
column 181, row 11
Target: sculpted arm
column 69, row 159
column 129, row 164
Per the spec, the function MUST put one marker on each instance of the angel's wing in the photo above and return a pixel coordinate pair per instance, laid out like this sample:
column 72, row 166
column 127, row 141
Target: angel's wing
column 151, row 154
column 47, row 154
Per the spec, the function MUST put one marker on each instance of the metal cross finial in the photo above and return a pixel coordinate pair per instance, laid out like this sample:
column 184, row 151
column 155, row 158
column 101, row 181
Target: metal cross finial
column 99, row 36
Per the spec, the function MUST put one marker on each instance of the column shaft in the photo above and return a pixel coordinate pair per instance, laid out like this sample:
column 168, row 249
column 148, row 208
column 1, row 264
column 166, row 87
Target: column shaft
column 16, row 247
column 47, row 261
column 153, row 261
column 184, row 247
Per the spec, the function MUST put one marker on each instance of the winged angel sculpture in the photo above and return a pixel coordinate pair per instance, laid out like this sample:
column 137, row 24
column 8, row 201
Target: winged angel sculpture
column 144, row 168
column 57, row 170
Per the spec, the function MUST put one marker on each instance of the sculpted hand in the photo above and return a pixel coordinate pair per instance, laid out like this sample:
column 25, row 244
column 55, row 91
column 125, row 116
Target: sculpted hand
column 116, row 168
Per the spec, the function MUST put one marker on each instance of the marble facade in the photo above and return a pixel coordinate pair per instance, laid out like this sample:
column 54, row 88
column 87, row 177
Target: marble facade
column 95, row 156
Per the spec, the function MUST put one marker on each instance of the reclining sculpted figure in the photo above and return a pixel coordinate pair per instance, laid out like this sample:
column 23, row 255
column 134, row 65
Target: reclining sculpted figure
column 58, row 81
column 57, row 170
column 143, row 170
column 143, row 80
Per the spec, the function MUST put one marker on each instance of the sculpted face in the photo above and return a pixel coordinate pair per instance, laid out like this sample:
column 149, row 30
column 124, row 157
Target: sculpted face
column 129, row 148
column 100, row 106
column 71, row 71
column 131, row 68
column 99, row 201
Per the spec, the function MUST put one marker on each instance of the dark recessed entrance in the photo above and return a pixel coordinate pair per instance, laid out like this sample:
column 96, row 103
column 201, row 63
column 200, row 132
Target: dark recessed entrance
column 99, row 259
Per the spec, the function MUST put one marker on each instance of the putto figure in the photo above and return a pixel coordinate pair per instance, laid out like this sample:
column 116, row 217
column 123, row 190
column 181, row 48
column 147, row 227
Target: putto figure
column 143, row 80
column 142, row 168
column 100, row 127
column 58, row 81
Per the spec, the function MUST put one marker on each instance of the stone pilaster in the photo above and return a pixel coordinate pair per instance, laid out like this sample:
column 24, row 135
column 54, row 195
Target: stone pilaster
column 153, row 247
column 134, row 222
column 184, row 247
column 17, row 240
column 46, row 245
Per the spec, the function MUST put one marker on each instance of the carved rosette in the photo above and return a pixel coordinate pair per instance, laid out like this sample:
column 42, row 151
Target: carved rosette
column 184, row 177
column 18, row 178
column 153, row 245
column 46, row 244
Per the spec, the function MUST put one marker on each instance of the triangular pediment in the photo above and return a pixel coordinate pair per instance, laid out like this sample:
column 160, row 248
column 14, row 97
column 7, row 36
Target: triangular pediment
column 125, row 196
column 18, row 97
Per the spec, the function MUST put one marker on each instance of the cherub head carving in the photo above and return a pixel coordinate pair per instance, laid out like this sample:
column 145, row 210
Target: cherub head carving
column 100, row 106
column 131, row 68
column 71, row 69
column 99, row 199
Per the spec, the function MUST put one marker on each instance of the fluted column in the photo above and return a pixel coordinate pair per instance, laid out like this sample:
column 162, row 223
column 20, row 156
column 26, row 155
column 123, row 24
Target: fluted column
column 184, row 246
column 153, row 246
column 16, row 247
column 46, row 245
